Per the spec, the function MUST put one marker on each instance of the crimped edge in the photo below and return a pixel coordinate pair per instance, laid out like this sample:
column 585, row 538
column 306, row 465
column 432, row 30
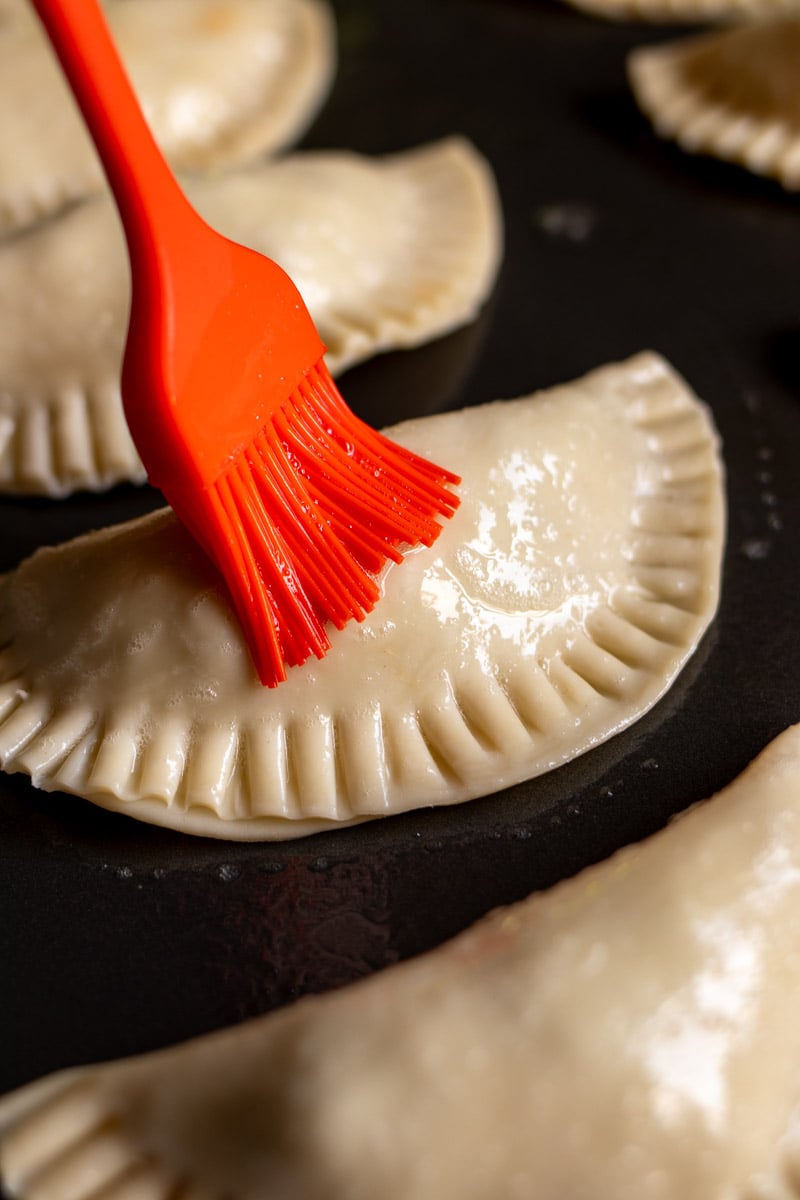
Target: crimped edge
column 663, row 11
column 702, row 124
column 454, row 226
column 263, row 782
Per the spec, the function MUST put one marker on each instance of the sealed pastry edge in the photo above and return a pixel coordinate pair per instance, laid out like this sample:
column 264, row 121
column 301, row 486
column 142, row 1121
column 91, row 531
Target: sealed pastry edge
column 582, row 683
column 653, row 12
column 720, row 127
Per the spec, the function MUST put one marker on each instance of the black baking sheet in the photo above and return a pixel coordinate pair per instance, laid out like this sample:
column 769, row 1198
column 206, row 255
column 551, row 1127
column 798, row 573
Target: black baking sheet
column 117, row 937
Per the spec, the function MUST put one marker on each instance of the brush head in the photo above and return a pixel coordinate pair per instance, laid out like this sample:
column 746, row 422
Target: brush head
column 304, row 518
column 238, row 422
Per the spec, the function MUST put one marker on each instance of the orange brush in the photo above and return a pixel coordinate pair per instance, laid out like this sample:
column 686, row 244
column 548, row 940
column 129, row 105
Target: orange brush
column 229, row 401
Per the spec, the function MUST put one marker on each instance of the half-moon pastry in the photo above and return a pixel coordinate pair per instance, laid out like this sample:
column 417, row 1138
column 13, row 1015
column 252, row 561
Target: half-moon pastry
column 630, row 1033
column 687, row 11
column 222, row 82
column 387, row 253
column 733, row 93
column 557, row 605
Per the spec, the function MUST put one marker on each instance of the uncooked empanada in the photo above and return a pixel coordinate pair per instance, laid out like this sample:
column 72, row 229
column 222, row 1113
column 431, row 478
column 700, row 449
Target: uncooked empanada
column 556, row 606
column 631, row 1034
column 686, row 10
column 221, row 81
column 734, row 94
column 387, row 252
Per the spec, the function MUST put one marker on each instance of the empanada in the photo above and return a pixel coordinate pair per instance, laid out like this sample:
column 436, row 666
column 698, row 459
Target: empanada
column 733, row 93
column 631, row 1033
column 687, row 10
column 222, row 82
column 387, row 252
column 557, row 605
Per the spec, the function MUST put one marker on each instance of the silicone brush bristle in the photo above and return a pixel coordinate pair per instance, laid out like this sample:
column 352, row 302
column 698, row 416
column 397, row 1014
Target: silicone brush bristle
column 305, row 518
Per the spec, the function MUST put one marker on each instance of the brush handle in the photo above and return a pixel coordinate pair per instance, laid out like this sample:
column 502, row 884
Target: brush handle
column 148, row 196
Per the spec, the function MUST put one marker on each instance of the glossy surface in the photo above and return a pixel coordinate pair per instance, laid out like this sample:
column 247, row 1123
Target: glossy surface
column 124, row 938
column 556, row 606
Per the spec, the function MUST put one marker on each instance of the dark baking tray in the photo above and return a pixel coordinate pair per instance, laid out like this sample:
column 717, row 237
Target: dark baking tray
column 117, row 937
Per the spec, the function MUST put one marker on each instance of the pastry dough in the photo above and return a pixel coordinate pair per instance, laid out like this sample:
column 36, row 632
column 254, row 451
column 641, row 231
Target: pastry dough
column 557, row 605
column 687, row 10
column 631, row 1033
column 387, row 253
column 734, row 94
column 221, row 81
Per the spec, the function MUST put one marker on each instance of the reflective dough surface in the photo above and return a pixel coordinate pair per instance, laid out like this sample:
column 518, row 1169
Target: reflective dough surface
column 558, row 604
column 631, row 1033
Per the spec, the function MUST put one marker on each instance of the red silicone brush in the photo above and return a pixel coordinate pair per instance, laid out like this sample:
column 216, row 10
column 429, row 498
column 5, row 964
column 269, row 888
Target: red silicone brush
column 229, row 401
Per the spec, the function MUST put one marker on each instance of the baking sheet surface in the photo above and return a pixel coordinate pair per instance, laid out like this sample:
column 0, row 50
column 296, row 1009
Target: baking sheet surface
column 117, row 937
